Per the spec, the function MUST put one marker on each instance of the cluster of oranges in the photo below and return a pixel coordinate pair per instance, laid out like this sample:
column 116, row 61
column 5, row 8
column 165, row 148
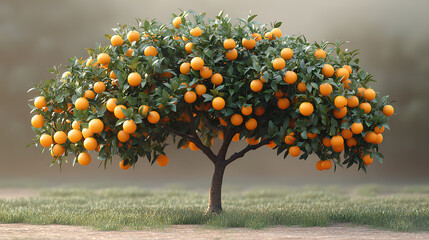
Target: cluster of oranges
column 125, row 97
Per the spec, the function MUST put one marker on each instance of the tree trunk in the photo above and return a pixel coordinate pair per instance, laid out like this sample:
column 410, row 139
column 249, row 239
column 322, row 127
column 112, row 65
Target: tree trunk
column 215, row 200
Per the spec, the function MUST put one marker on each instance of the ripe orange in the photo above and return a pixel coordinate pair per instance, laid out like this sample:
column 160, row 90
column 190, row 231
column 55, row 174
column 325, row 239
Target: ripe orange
column 84, row 159
column 60, row 137
column 218, row 103
column 328, row 70
column 96, row 126
column 99, row 87
column 369, row 94
column 279, row 94
column 128, row 53
column 340, row 113
column 301, row 87
column 229, row 44
column 337, row 140
column 340, row 102
column 111, row 104
column 37, row 121
column 217, row 79
column 357, row 128
column 190, row 97
column 251, row 124
column 320, row 53
column 347, row 84
column 81, row 104
column 378, row 130
column 367, row 160
column 177, row 21
column 74, row 135
column 246, row 111
column 346, row 133
column 118, row 111
column 86, row 133
column 283, row 103
column 150, row 51
column 90, row 144
column 256, row 85
column 327, row 142
column 379, row 138
column 123, row 136
column 306, row 108
column 196, row 32
column 122, row 166
column 58, row 150
column 116, row 40
column 236, row 119
column 162, row 160
column 76, row 125
column 144, row 110
column 134, row 79
column 248, row 43
column 259, row 111
column 343, row 73
column 325, row 89
column 366, row 107
column 66, row 74
column 103, row 58
column 286, row 53
column 370, row 137
column 353, row 101
column 188, row 47
column 40, row 102
column 311, row 135
column 269, row 36
column 290, row 139
column 231, row 54
column 206, row 72
column 256, row 36
column 197, row 63
column 236, row 137
column 277, row 32
column 185, row 68
column 360, row 91
column 279, row 63
column 326, row 164
column 348, row 68
column 193, row 147
column 252, row 141
column 319, row 165
column 290, row 77
column 133, row 36
column 388, row 110
column 89, row 94
column 129, row 126
column 271, row 144
column 351, row 142
column 200, row 89
column 153, row 117
column 294, row 151
column 45, row 140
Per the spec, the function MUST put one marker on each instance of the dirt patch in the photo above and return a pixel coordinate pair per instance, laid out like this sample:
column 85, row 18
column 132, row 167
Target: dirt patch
column 338, row 231
column 13, row 193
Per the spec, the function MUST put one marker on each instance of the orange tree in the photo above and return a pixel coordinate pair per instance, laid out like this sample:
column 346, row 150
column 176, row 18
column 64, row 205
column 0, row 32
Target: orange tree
column 198, row 80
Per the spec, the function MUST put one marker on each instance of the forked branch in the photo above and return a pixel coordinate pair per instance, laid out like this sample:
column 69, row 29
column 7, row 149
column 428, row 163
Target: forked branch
column 249, row 147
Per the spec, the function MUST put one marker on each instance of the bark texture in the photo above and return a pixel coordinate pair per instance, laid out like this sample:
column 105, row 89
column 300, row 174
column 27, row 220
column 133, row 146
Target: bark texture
column 215, row 198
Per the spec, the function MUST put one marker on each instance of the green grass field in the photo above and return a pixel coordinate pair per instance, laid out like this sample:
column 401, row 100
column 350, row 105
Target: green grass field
column 404, row 209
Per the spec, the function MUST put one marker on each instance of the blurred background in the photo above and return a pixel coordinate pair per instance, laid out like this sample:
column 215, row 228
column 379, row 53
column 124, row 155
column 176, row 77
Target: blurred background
column 393, row 38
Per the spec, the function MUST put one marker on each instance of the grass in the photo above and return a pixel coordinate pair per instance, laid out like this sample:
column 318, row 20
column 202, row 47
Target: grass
column 405, row 209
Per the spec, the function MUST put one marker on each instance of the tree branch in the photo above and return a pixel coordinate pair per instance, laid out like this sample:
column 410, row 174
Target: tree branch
column 197, row 141
column 209, row 125
column 249, row 147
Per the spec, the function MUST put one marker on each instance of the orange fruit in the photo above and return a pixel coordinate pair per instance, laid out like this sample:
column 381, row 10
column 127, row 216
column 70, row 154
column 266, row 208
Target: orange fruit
column 190, row 97
column 320, row 53
column 40, row 102
column 89, row 94
column 353, row 101
column 99, row 87
column 218, row 103
column 153, row 117
column 217, row 79
column 246, row 111
column 290, row 77
column 122, row 166
column 269, row 36
column 286, row 53
column 231, row 54
column 326, row 164
column 360, row 91
column 306, row 108
column 369, row 94
column 379, row 138
column 196, row 32
column 256, row 85
column 346, row 133
column 133, row 36
column 347, row 84
column 177, row 21
column 301, row 87
column 111, row 104
column 370, row 137
column 328, row 70
column 340, row 102
column 279, row 94
column 388, row 110
column 259, row 111
column 351, row 142
column 58, row 150
column 325, row 89
column 356, row 128
column 123, row 136
column 251, row 124
column 144, row 110
column 193, row 147
column 367, row 160
column 86, row 133
column 366, row 107
column 256, row 36
column 134, row 79
column 66, row 74
column 229, row 44
column 248, row 43
column 90, row 144
column 340, row 113
column 45, row 140
column 343, row 73
column 252, row 141
column 236, row 119
column 76, row 125
column 294, row 151
column 197, row 63
column 339, row 148
column 290, row 139
column 319, row 165
column 60, row 137
column 348, row 68
column 116, row 40
column 311, row 135
column 81, row 103
column 162, row 160
column 129, row 126
column 271, row 144
column 96, row 126
column 118, row 111
column 188, row 47
column 185, row 68
column 150, row 51
column 37, row 121
column 186, row 145
column 327, row 142
column 279, row 63
column 337, row 140
column 200, row 89
column 277, row 32
column 378, row 130
column 206, row 72
column 283, row 103
column 103, row 58
column 74, row 135
column 129, row 53
column 84, row 159
column 236, row 137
